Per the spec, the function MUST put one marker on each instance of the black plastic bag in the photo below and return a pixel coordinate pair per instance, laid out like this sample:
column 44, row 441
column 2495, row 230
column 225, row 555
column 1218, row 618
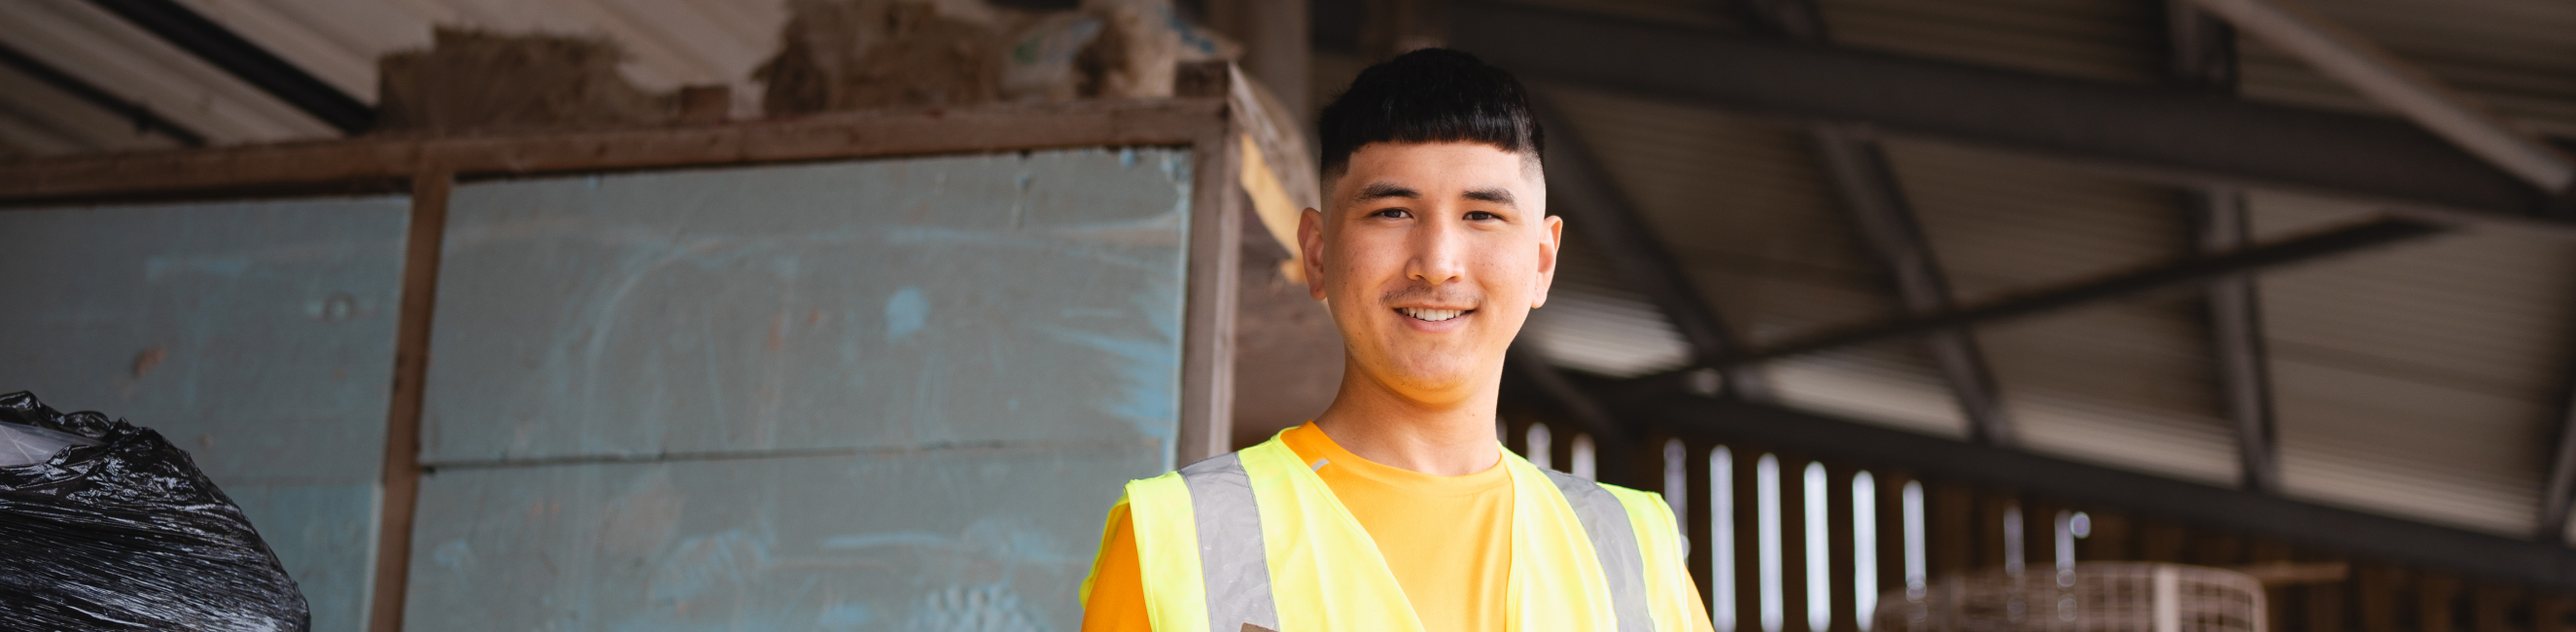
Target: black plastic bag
column 128, row 535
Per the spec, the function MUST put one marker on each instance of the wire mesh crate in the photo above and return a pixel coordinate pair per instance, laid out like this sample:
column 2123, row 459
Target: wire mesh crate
column 2090, row 597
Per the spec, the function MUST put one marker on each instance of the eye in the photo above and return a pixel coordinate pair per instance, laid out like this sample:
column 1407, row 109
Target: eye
column 1392, row 213
column 1482, row 216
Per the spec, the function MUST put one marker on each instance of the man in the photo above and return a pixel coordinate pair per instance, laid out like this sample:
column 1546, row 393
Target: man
column 1397, row 509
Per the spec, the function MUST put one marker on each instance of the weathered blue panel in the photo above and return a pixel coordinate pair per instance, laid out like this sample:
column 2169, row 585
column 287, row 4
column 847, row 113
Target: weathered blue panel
column 952, row 539
column 918, row 302
column 258, row 336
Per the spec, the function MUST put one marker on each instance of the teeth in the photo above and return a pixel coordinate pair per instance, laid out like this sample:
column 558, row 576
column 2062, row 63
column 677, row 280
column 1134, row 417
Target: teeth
column 1433, row 315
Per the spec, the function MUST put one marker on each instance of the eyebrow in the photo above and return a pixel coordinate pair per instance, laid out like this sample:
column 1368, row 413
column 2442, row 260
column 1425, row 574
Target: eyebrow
column 1377, row 190
column 1495, row 195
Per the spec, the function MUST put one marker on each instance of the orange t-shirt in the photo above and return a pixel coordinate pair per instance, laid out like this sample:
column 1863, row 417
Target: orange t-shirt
column 1446, row 538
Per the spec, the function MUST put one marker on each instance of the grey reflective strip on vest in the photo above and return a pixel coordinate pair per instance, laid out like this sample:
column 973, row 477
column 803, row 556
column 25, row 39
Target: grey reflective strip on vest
column 1232, row 562
column 1606, row 522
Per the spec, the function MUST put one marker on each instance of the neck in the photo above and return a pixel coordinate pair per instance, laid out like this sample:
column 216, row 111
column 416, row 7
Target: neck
column 1445, row 436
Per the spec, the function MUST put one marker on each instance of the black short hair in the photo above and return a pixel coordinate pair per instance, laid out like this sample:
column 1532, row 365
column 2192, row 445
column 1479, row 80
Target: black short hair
column 1431, row 95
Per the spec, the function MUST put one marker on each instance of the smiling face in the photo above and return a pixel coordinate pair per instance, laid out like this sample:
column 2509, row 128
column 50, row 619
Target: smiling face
column 1430, row 257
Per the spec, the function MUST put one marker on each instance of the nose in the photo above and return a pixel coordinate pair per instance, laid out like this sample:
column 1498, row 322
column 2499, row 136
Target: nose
column 1437, row 253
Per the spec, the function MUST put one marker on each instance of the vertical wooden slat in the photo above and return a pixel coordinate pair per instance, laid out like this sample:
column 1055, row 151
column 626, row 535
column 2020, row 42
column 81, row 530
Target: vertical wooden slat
column 2549, row 612
column 1839, row 530
column 2161, row 541
column 1793, row 544
column 2491, row 609
column 2436, row 597
column 1991, row 506
column 1217, row 207
column 2324, row 606
column 2112, row 537
column 2216, row 548
column 1702, row 559
column 2376, row 595
column 2277, row 610
column 421, row 244
column 1891, row 530
column 1953, row 528
column 2039, row 540
column 1748, row 543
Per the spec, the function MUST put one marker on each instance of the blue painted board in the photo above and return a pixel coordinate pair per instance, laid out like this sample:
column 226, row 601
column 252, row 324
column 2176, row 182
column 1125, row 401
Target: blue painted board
column 257, row 335
column 921, row 302
column 931, row 540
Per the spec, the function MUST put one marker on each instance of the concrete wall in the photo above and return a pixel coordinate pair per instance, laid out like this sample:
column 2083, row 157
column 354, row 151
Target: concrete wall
column 258, row 336
column 879, row 395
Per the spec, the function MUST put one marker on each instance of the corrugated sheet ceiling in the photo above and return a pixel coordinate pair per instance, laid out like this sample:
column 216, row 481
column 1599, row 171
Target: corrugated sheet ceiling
column 2416, row 381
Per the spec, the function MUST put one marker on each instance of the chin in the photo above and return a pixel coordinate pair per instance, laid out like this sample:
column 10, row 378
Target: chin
column 1436, row 371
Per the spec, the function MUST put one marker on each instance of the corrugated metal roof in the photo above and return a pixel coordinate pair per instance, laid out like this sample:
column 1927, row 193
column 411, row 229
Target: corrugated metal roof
column 2515, row 56
column 2423, row 379
column 2123, row 382
column 2418, row 381
column 2118, row 40
column 84, row 41
column 38, row 119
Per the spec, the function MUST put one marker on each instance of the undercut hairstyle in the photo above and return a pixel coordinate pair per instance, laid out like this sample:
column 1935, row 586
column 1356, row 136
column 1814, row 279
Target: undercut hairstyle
column 1433, row 95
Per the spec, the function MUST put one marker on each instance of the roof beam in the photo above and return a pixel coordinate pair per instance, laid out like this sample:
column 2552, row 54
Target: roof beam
column 2358, row 63
column 2545, row 564
column 1603, row 213
column 2234, row 312
column 224, row 49
column 2157, row 133
column 2189, row 271
column 1867, row 184
column 2201, row 50
column 1865, row 181
column 2558, row 493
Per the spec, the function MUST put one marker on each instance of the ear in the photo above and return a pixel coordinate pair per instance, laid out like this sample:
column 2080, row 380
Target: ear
column 1549, row 240
column 1310, row 248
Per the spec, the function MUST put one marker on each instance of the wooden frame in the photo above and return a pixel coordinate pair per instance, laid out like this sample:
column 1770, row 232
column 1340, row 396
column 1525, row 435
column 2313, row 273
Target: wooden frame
column 1205, row 121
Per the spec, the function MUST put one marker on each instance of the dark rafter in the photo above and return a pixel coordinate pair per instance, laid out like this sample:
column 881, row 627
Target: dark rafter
column 254, row 65
column 144, row 119
column 2558, row 493
column 2187, row 272
column 1871, row 194
column 2159, row 132
column 2202, row 52
column 1594, row 206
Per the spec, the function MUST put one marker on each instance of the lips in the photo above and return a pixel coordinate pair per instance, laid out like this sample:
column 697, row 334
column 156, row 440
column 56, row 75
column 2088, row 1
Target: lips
column 1432, row 315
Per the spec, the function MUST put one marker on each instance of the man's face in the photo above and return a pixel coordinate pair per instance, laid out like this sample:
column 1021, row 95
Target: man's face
column 1430, row 257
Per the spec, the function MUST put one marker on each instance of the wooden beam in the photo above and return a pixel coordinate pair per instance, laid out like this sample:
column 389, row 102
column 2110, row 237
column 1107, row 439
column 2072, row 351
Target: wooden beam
column 1866, row 182
column 1593, row 205
column 2181, row 273
column 425, row 236
column 1171, row 122
column 2202, row 55
column 2558, row 493
column 1217, row 210
column 2157, row 133
column 2359, row 64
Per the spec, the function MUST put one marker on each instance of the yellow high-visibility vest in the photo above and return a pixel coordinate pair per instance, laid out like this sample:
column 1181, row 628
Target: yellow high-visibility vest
column 1255, row 538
